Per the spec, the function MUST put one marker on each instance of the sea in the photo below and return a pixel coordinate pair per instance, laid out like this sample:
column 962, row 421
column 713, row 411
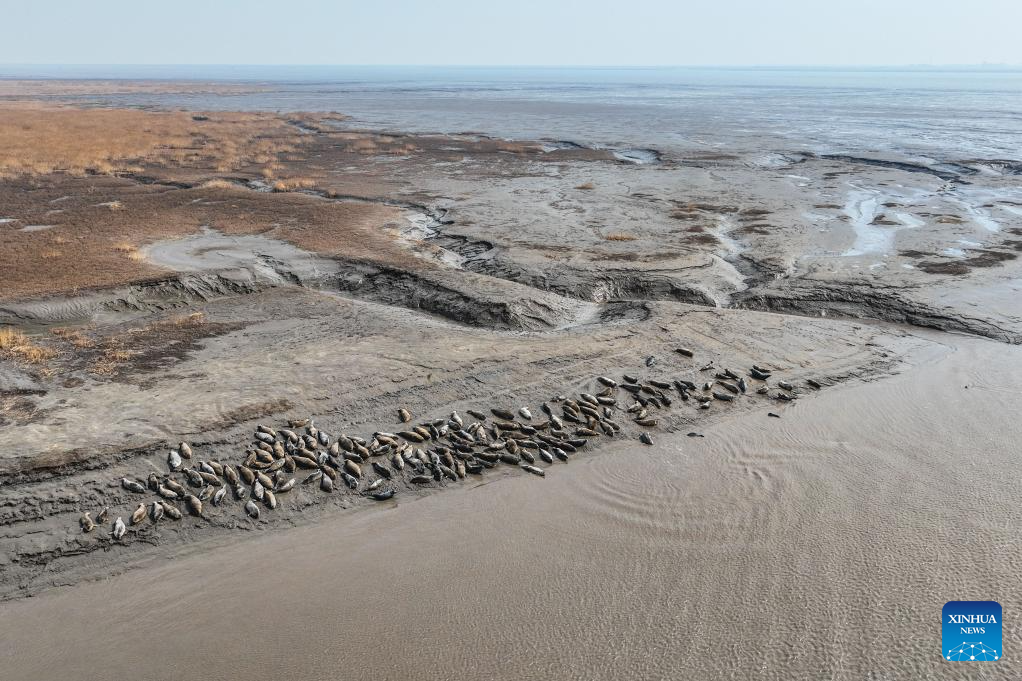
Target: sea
column 920, row 114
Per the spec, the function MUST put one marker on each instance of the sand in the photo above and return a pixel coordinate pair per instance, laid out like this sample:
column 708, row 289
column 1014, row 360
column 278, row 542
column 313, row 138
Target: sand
column 819, row 545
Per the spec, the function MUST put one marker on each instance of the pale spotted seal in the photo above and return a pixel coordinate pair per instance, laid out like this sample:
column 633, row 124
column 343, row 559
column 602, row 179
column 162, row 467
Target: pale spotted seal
column 535, row 470
column 133, row 486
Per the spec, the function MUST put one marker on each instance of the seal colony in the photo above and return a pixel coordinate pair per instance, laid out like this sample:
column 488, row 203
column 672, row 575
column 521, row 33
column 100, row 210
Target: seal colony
column 431, row 453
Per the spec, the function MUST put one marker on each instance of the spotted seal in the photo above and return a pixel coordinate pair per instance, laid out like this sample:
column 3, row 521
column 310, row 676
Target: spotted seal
column 174, row 461
column 194, row 505
column 171, row 510
column 138, row 515
column 535, row 470
column 119, row 529
column 133, row 486
column 167, row 493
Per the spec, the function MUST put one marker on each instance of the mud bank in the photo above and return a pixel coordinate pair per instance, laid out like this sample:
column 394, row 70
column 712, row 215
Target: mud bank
column 746, row 530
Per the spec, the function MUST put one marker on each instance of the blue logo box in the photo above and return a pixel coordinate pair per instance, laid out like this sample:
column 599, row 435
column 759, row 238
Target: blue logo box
column 971, row 631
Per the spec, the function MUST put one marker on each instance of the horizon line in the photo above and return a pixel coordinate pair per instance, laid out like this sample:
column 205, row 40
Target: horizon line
column 918, row 65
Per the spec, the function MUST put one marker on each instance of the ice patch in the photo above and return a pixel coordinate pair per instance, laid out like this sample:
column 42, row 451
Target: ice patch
column 637, row 156
column 980, row 216
column 817, row 217
column 862, row 209
column 909, row 220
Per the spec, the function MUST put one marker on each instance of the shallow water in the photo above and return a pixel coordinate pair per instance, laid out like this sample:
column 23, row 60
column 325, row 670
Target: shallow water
column 922, row 114
column 819, row 545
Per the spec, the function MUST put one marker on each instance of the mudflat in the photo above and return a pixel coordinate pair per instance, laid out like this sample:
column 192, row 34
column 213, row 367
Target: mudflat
column 824, row 354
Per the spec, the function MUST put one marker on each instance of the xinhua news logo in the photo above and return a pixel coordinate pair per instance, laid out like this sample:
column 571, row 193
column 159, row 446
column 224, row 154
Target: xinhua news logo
column 971, row 631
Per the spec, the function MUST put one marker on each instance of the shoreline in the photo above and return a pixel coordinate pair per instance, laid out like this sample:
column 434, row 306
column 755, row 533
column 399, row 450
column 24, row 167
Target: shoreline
column 398, row 564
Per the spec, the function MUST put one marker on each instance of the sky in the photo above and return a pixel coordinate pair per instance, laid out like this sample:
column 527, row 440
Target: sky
column 517, row 32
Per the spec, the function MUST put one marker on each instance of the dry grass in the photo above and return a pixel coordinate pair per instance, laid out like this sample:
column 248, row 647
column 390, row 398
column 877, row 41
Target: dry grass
column 620, row 237
column 16, row 344
column 39, row 140
column 68, row 88
column 110, row 361
column 105, row 220
column 193, row 319
column 75, row 337
column 291, row 184
column 183, row 321
column 586, row 186
column 130, row 251
column 219, row 184
column 104, row 248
